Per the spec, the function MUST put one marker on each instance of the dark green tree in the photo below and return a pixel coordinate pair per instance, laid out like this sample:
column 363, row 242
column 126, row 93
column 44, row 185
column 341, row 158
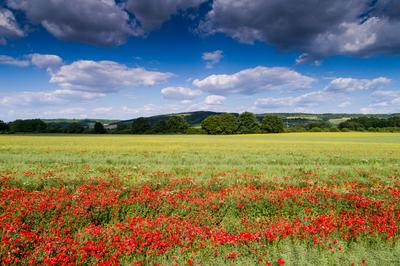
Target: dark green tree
column 3, row 126
column 161, row 127
column 177, row 124
column 222, row 124
column 28, row 126
column 272, row 124
column 248, row 123
column 99, row 128
column 75, row 128
column 140, row 126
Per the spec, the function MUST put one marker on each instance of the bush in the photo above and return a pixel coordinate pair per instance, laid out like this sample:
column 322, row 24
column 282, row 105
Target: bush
column 316, row 129
column 195, row 131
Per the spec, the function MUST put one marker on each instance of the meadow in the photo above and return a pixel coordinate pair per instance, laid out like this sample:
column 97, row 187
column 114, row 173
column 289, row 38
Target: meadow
column 293, row 199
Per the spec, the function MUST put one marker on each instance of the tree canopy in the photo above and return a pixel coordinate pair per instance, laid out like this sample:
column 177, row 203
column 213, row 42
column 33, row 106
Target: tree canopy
column 99, row 128
column 272, row 124
column 140, row 126
column 248, row 123
column 220, row 124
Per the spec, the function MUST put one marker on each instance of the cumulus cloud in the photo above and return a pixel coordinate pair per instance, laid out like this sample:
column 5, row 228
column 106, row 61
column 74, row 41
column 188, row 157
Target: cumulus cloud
column 8, row 60
column 352, row 84
column 153, row 13
column 83, row 80
column 57, row 96
column 9, row 27
column 315, row 28
column 214, row 100
column 212, row 58
column 46, row 61
column 384, row 101
column 254, row 80
column 310, row 99
column 179, row 93
column 91, row 21
column 104, row 76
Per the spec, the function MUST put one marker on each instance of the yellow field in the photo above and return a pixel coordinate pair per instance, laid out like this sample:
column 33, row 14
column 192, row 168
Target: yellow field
column 344, row 154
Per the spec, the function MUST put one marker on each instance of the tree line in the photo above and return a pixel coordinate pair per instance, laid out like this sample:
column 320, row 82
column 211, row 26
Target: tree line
column 218, row 124
column 39, row 126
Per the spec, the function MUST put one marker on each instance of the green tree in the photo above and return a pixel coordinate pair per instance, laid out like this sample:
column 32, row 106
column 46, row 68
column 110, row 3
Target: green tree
column 140, row 126
column 248, row 123
column 99, row 128
column 220, row 124
column 177, row 124
column 272, row 124
column 28, row 126
column 3, row 126
column 74, row 128
column 161, row 127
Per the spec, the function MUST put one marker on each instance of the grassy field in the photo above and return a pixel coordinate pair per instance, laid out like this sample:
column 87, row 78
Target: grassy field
column 250, row 199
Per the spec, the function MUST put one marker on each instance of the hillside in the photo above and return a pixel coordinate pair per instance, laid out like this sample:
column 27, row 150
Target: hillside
column 291, row 119
column 194, row 118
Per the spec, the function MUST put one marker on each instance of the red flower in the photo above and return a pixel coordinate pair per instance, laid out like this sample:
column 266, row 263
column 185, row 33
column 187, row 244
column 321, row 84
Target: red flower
column 280, row 261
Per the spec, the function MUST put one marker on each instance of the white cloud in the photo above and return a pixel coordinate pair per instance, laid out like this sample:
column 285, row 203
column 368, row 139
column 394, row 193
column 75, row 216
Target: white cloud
column 214, row 100
column 212, row 58
column 81, row 80
column 102, row 110
column 58, row 96
column 384, row 101
column 72, row 111
column 8, row 60
column 104, row 76
column 344, row 104
column 9, row 27
column 310, row 99
column 179, row 93
column 367, row 110
column 46, row 61
column 255, row 80
column 351, row 84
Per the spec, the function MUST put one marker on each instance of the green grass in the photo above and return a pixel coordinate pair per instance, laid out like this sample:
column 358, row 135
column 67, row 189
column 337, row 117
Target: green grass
column 347, row 155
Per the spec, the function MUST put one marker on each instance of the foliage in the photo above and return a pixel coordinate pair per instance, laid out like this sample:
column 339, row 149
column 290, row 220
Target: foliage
column 272, row 124
column 140, row 126
column 28, row 126
column 174, row 125
column 248, row 123
column 3, row 126
column 75, row 128
column 177, row 124
column 365, row 122
column 99, row 128
column 223, row 124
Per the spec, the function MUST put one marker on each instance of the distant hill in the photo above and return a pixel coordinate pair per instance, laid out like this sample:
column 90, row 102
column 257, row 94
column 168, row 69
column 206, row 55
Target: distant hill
column 84, row 122
column 194, row 118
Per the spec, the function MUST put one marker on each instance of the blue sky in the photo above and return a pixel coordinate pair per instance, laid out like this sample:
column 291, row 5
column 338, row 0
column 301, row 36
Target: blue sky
column 130, row 58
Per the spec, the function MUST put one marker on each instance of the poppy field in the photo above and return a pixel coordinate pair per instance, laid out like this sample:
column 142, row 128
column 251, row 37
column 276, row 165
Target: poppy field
column 287, row 199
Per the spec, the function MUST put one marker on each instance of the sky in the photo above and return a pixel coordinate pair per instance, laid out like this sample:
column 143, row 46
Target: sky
column 129, row 58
